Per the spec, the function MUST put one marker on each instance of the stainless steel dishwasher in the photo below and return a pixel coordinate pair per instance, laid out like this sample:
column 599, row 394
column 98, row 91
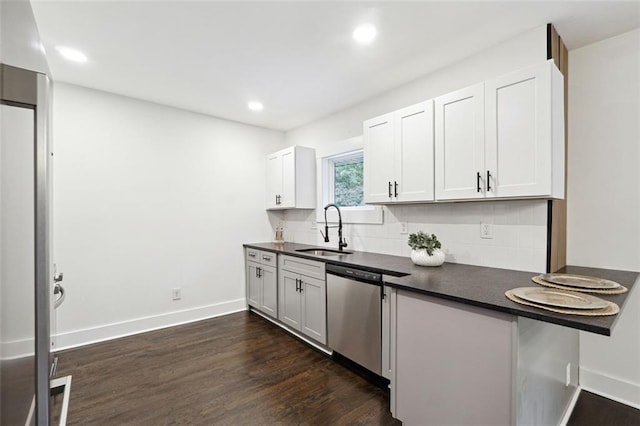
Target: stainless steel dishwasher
column 354, row 315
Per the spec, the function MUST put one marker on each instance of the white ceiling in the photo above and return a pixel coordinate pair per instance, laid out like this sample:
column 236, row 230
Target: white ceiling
column 297, row 58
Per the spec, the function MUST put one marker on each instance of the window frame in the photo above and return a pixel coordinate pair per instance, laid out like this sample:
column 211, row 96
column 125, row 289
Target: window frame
column 325, row 156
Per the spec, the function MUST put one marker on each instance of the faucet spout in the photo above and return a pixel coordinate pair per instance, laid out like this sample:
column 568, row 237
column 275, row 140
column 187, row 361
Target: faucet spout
column 341, row 241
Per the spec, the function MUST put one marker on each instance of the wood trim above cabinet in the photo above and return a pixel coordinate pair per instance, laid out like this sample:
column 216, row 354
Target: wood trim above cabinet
column 557, row 214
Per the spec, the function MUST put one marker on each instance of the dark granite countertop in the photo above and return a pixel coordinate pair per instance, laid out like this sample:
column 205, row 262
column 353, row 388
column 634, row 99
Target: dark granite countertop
column 473, row 285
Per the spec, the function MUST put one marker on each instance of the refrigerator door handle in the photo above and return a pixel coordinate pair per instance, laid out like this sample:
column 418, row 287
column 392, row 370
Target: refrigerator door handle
column 58, row 289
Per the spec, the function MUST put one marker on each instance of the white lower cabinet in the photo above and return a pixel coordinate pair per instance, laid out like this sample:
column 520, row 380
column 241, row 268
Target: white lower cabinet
column 262, row 281
column 302, row 301
column 453, row 363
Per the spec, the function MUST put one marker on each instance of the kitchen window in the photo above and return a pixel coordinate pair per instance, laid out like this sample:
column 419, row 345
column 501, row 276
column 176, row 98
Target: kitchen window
column 345, row 179
column 341, row 181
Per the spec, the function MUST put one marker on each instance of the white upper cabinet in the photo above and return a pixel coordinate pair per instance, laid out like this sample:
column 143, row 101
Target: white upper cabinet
column 291, row 177
column 378, row 158
column 459, row 143
column 503, row 138
column 398, row 156
column 524, row 121
column 414, row 153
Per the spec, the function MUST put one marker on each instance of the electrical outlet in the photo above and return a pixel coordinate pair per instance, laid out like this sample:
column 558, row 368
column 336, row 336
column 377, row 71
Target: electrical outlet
column 568, row 375
column 314, row 224
column 176, row 293
column 404, row 228
column 486, row 230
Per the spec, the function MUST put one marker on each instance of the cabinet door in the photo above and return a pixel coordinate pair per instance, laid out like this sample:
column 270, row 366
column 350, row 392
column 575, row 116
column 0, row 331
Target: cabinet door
column 378, row 159
column 254, row 285
column 459, row 143
column 274, row 180
column 289, row 308
column 288, row 193
column 518, row 133
column 459, row 377
column 414, row 173
column 314, row 308
column 269, row 303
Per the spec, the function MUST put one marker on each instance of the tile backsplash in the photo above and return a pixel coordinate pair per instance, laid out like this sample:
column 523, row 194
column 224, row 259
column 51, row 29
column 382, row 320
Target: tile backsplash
column 519, row 231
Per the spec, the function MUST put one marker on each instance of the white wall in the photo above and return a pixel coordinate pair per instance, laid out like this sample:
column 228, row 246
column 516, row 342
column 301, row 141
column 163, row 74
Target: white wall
column 604, row 198
column 518, row 52
column 520, row 226
column 148, row 198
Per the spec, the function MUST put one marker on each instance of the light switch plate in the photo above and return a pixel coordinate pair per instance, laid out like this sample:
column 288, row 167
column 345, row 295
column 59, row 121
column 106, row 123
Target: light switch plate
column 176, row 293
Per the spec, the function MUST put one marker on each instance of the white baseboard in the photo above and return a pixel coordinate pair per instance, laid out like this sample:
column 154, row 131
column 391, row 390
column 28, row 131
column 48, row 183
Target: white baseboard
column 613, row 388
column 17, row 349
column 570, row 407
column 101, row 333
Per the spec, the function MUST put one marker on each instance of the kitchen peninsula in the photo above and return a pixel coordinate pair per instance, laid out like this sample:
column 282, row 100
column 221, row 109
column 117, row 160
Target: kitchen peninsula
column 460, row 351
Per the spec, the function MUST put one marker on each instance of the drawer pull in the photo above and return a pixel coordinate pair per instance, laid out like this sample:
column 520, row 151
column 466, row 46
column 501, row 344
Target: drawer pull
column 267, row 258
column 252, row 255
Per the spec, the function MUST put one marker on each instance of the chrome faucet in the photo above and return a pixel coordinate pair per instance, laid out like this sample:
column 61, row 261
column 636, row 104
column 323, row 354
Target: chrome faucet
column 341, row 242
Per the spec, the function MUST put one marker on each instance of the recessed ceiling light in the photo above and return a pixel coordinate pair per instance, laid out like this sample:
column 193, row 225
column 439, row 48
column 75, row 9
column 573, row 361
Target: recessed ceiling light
column 365, row 33
column 71, row 54
column 255, row 106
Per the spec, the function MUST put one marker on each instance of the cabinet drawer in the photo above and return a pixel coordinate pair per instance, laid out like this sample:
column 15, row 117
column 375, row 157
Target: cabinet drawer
column 253, row 255
column 307, row 267
column 268, row 258
column 262, row 257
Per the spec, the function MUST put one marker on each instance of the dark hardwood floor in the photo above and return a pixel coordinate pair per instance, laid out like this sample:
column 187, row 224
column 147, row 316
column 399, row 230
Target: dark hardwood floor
column 594, row 410
column 239, row 370
column 236, row 370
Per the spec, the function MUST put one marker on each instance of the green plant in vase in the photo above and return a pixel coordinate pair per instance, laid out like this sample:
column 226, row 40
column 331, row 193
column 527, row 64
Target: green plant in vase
column 426, row 249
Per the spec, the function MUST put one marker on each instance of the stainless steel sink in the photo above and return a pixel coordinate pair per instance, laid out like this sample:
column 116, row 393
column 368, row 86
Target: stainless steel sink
column 323, row 252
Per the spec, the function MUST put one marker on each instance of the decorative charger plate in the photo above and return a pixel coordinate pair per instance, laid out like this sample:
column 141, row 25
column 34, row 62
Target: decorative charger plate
column 559, row 298
column 580, row 281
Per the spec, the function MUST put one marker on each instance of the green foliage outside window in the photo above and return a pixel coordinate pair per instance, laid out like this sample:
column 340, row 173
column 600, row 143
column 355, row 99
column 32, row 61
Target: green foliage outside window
column 348, row 183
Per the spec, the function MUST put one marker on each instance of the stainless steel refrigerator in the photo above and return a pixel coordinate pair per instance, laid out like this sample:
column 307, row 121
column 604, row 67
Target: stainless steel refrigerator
column 24, row 235
column 26, row 280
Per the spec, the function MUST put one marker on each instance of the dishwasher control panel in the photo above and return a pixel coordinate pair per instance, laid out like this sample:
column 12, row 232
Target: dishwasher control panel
column 357, row 274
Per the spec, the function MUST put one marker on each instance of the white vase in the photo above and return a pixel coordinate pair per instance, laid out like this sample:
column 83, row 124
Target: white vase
column 421, row 257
